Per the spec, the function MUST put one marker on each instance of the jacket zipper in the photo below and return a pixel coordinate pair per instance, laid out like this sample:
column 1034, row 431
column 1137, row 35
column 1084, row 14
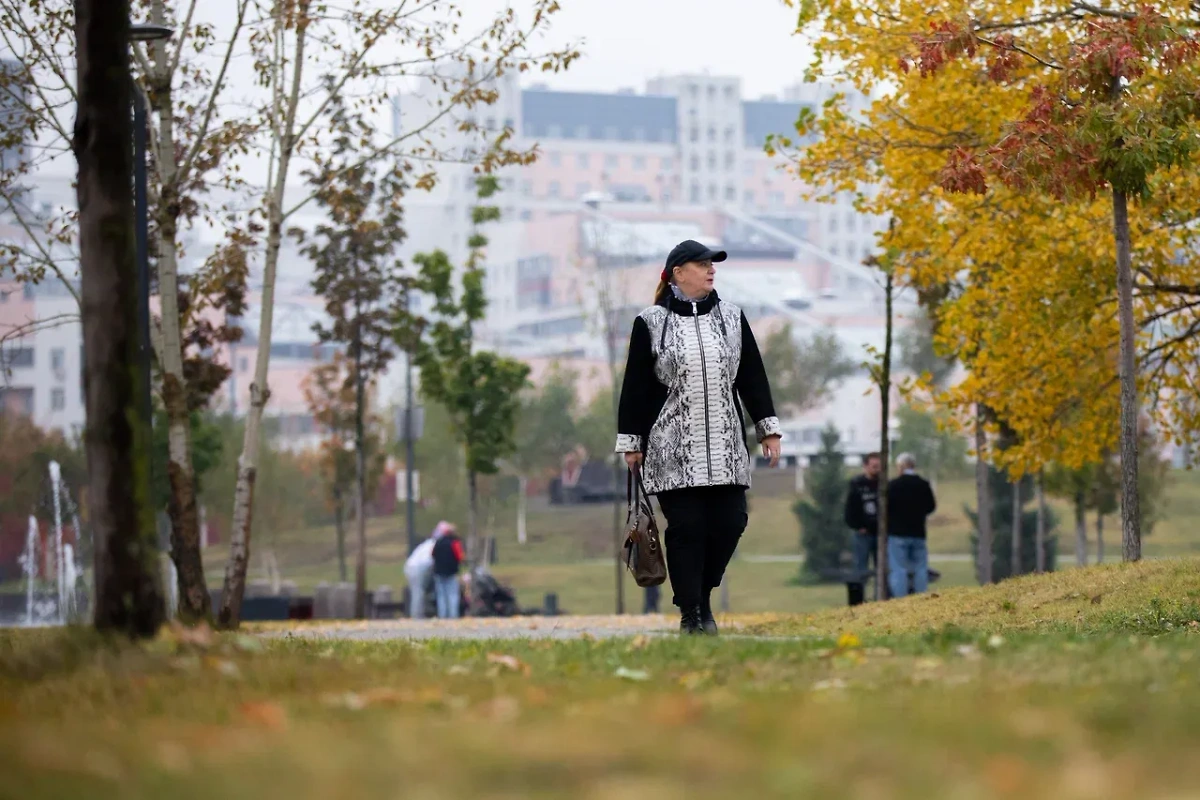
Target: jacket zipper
column 704, row 378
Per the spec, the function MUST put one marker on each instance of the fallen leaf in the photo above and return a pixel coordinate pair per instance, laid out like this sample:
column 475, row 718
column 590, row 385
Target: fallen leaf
column 995, row 641
column 933, row 595
column 968, row 651
column 826, row 685
column 458, row 669
column 848, row 641
column 1096, row 600
column 632, row 674
column 691, row 680
column 639, row 642
column 265, row 714
column 508, row 662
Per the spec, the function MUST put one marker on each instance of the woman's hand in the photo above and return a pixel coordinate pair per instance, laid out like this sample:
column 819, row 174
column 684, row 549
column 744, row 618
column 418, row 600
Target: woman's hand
column 771, row 450
column 633, row 460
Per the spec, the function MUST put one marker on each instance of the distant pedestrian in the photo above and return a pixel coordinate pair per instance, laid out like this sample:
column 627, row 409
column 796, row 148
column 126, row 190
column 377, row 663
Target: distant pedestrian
column 691, row 357
column 447, row 558
column 862, row 517
column 418, row 570
column 910, row 501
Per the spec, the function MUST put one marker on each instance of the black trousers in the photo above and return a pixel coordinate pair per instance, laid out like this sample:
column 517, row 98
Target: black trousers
column 704, row 525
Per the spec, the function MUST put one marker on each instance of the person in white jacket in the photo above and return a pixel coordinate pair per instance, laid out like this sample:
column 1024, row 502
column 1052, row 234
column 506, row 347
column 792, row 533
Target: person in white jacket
column 418, row 569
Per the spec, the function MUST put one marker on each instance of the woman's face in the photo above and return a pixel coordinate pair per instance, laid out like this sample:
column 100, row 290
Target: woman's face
column 695, row 278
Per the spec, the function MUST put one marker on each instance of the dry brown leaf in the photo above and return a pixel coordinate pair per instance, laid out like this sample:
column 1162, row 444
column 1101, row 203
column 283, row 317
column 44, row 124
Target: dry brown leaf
column 508, row 662
column 271, row 716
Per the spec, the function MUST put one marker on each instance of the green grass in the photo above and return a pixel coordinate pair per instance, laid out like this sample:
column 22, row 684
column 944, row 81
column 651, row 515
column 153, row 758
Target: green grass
column 569, row 535
column 1071, row 701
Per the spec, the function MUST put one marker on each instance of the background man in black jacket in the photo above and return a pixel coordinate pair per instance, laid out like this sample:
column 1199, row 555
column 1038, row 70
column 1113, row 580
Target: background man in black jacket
column 862, row 515
column 910, row 502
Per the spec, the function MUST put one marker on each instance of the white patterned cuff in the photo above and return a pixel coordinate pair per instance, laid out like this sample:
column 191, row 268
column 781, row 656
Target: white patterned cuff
column 628, row 443
column 768, row 427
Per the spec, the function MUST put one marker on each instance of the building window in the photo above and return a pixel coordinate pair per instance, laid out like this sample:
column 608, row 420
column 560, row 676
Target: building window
column 58, row 359
column 832, row 224
column 748, row 199
column 712, row 160
column 730, row 134
column 27, row 291
column 612, row 132
column 694, row 90
column 469, row 183
column 639, row 162
column 776, row 199
column 556, row 159
column 581, row 132
column 526, row 188
column 748, row 169
column 712, row 133
column 712, row 191
column 490, row 124
column 243, row 365
column 667, row 164
column 695, row 193
column 695, row 163
column 554, row 131
column 730, row 160
column 730, row 193
column 638, row 134
column 729, row 93
column 17, row 357
column 612, row 161
column 526, row 215
column 850, row 222
column 835, row 251
column 554, row 189
column 694, row 135
column 582, row 161
column 58, row 399
column 712, row 93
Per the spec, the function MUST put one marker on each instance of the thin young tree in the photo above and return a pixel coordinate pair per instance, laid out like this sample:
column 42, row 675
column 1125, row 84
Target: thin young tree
column 128, row 596
column 357, row 274
column 307, row 56
column 480, row 389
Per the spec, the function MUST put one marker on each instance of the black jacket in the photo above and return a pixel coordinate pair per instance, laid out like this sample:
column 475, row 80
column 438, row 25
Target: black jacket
column 910, row 501
column 447, row 555
column 690, row 366
column 862, row 504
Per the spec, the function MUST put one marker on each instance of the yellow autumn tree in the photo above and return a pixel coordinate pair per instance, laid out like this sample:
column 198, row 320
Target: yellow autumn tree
column 1021, row 286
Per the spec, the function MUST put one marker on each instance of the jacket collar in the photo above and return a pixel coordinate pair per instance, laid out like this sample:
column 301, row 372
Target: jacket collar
column 672, row 303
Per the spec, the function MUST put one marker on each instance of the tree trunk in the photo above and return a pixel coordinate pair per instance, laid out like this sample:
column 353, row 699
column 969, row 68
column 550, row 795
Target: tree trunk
column 472, row 517
column 1099, row 538
column 1040, row 536
column 1015, row 544
column 522, row 507
column 885, row 398
column 194, row 602
column 243, row 493
column 360, row 477
column 128, row 595
column 1080, row 530
column 339, row 526
column 1131, row 534
column 983, row 501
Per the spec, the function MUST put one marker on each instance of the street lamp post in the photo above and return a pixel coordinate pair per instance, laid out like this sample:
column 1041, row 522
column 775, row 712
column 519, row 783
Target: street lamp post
column 141, row 115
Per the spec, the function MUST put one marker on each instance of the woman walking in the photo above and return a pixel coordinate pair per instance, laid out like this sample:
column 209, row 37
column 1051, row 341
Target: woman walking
column 691, row 356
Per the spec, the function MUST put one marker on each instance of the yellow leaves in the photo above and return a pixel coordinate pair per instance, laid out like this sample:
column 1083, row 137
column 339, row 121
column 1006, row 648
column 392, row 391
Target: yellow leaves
column 848, row 641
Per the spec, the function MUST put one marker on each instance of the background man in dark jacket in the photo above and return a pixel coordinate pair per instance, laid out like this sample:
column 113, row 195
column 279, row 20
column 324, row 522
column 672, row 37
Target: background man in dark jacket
column 910, row 502
column 862, row 514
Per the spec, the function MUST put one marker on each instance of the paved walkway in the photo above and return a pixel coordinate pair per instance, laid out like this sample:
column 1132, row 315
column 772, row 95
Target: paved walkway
column 565, row 627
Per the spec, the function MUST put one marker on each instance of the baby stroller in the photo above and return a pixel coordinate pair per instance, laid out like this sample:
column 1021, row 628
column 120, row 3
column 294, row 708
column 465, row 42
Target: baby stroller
column 488, row 597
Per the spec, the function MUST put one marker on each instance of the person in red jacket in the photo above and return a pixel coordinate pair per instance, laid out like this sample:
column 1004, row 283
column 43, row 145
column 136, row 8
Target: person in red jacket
column 447, row 557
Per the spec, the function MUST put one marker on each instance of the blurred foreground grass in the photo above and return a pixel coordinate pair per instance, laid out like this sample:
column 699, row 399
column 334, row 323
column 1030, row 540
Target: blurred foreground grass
column 1027, row 689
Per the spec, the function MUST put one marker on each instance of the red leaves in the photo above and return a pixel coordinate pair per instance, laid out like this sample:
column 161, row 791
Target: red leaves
column 947, row 40
column 1005, row 59
column 963, row 174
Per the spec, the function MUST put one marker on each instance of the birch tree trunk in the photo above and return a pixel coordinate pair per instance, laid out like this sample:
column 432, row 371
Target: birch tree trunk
column 128, row 595
column 194, row 602
column 283, row 145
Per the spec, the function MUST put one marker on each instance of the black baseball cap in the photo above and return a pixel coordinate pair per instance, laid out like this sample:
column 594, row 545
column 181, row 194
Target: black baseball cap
column 689, row 251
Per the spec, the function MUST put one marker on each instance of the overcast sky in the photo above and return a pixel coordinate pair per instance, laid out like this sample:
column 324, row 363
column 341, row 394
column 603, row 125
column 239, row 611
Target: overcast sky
column 626, row 42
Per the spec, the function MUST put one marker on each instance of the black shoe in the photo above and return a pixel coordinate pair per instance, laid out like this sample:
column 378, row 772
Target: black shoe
column 707, row 622
column 690, row 621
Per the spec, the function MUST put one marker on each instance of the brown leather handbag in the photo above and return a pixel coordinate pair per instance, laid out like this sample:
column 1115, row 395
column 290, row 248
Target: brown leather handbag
column 643, row 550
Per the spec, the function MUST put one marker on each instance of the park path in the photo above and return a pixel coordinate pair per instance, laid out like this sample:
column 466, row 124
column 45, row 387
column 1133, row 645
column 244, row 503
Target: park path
column 565, row 627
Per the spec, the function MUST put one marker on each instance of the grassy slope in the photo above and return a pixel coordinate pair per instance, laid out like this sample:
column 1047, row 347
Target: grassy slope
column 1077, row 701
